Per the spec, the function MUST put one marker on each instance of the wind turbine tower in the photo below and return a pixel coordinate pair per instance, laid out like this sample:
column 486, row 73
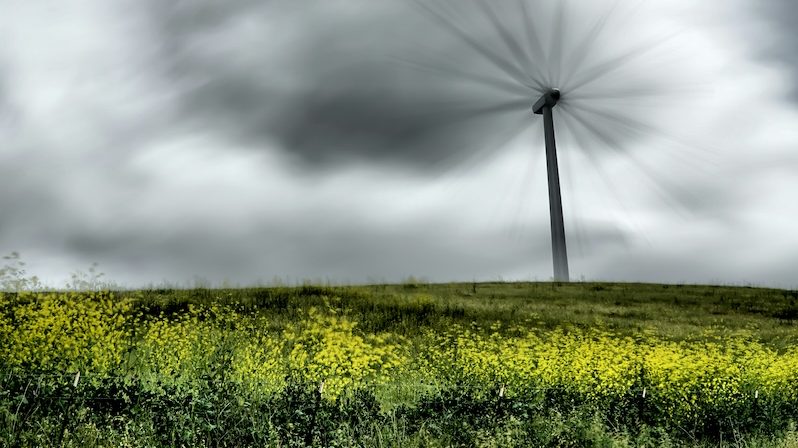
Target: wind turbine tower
column 544, row 107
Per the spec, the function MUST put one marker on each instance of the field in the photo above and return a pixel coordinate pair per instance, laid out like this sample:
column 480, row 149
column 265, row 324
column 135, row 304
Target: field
column 409, row 365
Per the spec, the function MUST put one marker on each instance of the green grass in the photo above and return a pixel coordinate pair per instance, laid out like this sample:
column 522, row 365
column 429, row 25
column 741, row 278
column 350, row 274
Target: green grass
column 121, row 411
column 674, row 312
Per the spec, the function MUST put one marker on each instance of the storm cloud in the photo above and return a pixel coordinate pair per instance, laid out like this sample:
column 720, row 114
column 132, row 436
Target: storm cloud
column 354, row 141
column 419, row 84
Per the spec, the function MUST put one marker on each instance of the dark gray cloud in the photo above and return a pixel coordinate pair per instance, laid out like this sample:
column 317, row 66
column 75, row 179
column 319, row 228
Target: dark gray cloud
column 401, row 82
column 781, row 44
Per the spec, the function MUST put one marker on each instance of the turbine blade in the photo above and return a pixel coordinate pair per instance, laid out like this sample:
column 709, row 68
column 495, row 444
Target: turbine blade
column 534, row 44
column 506, row 66
column 444, row 165
column 581, row 143
column 525, row 183
column 467, row 113
column 613, row 144
column 640, row 128
column 499, row 84
column 622, row 94
column 509, row 40
column 602, row 69
column 555, row 49
column 577, row 56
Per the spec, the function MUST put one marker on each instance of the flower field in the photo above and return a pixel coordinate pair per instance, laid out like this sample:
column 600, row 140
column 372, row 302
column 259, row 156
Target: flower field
column 506, row 362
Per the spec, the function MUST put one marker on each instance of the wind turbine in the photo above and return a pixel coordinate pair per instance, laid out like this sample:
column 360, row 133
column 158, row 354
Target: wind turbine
column 588, row 71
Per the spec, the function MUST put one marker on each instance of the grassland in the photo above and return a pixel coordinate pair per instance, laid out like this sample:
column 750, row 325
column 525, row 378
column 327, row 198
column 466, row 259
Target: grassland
column 416, row 364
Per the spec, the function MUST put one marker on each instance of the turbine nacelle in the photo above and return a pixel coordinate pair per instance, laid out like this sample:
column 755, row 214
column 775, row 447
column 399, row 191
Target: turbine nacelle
column 549, row 99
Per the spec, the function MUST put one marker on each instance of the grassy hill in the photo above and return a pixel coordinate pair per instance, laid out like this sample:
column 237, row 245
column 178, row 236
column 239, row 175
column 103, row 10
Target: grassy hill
column 414, row 364
column 675, row 312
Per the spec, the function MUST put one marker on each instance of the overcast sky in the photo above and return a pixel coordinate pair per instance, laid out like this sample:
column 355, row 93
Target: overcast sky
column 358, row 141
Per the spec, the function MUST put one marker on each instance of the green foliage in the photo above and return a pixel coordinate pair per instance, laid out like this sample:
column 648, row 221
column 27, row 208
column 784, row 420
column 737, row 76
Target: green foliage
column 415, row 364
column 64, row 331
column 327, row 349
